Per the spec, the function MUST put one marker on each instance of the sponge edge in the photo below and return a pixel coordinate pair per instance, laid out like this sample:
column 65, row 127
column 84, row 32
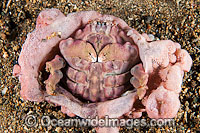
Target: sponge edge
column 184, row 59
column 166, row 62
column 47, row 17
column 162, row 103
column 172, row 78
column 160, row 53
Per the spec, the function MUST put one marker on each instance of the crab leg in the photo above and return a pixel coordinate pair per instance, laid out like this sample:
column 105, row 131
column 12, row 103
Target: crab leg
column 103, row 93
column 77, row 76
column 117, row 80
column 52, row 81
column 139, row 80
column 56, row 64
column 117, row 66
column 109, row 80
column 55, row 74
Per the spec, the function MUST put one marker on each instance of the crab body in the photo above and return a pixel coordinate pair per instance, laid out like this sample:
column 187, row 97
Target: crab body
column 99, row 61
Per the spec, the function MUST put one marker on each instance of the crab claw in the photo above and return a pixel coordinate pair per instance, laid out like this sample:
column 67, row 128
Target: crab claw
column 81, row 49
column 139, row 80
column 127, row 52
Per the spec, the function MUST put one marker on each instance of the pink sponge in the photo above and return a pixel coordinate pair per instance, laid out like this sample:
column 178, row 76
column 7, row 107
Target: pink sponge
column 162, row 103
column 100, row 51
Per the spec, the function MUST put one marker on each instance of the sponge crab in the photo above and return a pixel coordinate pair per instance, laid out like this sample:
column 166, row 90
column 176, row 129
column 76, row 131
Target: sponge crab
column 96, row 65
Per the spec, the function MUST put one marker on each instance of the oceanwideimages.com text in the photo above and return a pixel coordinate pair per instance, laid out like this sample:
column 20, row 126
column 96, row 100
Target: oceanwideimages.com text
column 46, row 121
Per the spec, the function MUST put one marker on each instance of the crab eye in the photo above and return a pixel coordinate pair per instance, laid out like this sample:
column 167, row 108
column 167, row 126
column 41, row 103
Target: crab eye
column 98, row 23
column 103, row 23
column 92, row 57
